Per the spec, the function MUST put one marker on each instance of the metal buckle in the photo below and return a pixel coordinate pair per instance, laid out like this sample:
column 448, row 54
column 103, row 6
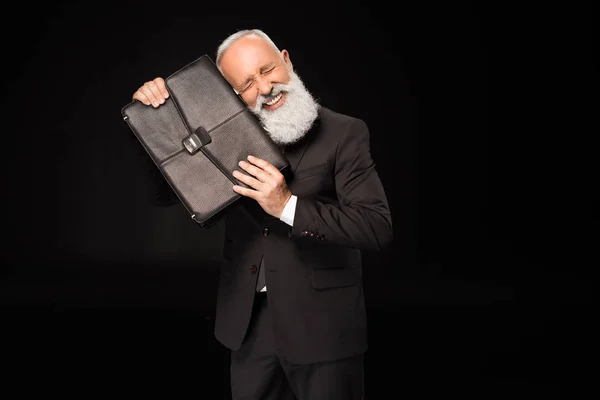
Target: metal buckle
column 192, row 143
column 196, row 140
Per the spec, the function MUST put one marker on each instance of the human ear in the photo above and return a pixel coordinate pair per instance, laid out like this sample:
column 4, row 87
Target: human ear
column 286, row 57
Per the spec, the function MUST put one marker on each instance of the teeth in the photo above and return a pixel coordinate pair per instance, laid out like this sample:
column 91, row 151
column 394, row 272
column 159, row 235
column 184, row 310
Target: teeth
column 274, row 100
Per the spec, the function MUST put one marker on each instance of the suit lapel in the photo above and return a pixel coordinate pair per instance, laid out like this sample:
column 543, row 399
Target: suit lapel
column 294, row 153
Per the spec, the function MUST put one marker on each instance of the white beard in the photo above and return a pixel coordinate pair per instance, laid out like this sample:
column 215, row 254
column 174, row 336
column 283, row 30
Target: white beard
column 290, row 122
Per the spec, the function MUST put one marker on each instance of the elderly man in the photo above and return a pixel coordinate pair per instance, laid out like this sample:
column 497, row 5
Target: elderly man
column 290, row 302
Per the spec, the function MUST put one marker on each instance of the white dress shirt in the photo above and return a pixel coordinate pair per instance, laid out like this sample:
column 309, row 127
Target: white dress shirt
column 289, row 210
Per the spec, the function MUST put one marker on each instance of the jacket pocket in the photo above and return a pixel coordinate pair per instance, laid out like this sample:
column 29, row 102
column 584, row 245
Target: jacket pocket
column 310, row 171
column 336, row 277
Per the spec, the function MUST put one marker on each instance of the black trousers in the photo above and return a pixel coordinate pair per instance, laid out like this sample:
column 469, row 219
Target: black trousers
column 259, row 372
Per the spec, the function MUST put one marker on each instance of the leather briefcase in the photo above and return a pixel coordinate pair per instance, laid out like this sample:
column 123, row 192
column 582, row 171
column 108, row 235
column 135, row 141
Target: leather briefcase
column 198, row 136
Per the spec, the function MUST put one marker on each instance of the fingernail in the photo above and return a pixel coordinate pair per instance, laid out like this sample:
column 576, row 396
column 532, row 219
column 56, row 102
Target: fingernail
column 155, row 104
column 166, row 95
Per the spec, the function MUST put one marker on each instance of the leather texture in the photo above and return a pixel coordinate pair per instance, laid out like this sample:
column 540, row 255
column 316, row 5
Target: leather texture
column 201, row 100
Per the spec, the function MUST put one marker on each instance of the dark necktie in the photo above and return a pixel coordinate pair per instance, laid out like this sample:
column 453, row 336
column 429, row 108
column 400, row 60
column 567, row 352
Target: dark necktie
column 261, row 282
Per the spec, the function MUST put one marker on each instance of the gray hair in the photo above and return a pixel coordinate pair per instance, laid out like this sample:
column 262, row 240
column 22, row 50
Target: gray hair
column 238, row 35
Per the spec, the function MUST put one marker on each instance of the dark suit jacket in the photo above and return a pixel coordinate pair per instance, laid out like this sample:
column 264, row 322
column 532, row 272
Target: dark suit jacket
column 313, row 269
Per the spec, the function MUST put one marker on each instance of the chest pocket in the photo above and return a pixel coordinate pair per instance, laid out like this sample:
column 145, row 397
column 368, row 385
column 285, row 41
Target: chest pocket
column 313, row 171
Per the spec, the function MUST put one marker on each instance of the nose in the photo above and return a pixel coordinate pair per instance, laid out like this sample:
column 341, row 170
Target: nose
column 264, row 86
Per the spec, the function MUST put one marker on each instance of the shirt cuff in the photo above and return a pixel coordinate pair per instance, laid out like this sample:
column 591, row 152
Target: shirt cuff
column 289, row 210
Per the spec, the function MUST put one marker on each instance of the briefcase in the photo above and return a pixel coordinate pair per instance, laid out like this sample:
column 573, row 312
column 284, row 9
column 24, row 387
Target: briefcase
column 198, row 136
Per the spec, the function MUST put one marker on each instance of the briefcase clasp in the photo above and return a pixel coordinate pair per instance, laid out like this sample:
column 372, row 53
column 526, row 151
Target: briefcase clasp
column 196, row 140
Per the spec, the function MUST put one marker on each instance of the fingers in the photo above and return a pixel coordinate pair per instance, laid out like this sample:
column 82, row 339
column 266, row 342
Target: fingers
column 152, row 92
column 160, row 83
column 264, row 165
column 254, row 171
column 245, row 191
column 248, row 180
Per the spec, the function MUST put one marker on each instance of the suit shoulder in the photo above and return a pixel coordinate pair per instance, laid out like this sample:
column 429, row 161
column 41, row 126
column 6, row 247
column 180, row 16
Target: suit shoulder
column 331, row 117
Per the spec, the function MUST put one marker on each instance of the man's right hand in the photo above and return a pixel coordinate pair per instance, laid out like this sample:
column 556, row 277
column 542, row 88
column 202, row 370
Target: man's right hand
column 152, row 92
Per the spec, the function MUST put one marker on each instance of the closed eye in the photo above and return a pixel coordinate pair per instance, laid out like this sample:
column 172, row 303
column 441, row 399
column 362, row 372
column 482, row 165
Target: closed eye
column 247, row 86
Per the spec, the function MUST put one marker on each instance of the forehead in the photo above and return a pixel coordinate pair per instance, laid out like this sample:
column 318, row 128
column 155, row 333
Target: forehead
column 246, row 56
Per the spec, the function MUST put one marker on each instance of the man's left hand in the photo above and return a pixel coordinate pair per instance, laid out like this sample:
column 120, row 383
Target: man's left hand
column 266, row 185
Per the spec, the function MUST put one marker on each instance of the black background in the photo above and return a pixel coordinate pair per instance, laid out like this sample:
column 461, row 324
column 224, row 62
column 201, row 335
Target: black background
column 481, row 132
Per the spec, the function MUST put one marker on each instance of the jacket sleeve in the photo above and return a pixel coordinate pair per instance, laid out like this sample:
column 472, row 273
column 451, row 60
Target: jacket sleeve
column 361, row 218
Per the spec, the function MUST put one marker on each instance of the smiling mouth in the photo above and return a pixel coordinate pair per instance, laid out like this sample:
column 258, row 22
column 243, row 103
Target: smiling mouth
column 274, row 100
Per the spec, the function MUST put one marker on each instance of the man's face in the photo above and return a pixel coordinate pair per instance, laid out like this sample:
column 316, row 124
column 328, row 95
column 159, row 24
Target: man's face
column 252, row 66
column 273, row 91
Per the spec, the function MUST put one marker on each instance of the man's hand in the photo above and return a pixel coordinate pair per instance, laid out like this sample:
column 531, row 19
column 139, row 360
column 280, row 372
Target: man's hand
column 152, row 92
column 270, row 189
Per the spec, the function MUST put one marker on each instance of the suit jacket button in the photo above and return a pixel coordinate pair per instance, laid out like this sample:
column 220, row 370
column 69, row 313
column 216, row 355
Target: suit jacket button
column 253, row 269
column 266, row 232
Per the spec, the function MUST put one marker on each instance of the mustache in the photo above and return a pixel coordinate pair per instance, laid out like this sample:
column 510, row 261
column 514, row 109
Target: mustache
column 265, row 98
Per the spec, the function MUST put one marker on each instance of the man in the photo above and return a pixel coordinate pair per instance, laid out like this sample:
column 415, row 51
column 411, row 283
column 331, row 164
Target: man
column 290, row 302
